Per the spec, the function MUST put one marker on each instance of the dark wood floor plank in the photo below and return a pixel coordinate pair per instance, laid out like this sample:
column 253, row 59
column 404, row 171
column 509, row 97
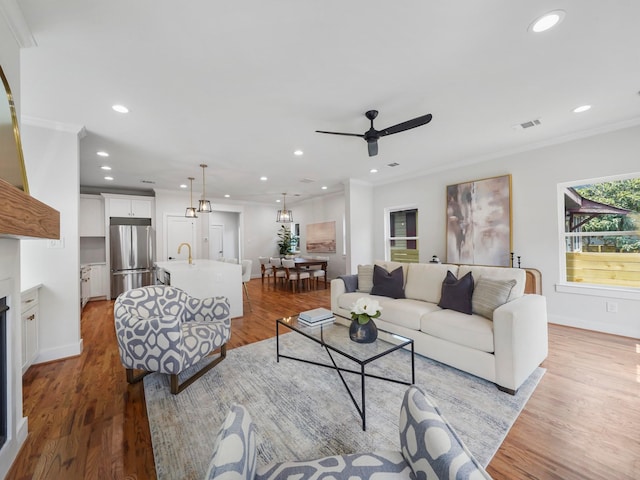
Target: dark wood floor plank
column 85, row 421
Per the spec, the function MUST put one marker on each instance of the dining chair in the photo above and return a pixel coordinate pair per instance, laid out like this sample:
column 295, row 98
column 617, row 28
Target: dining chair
column 278, row 270
column 265, row 268
column 295, row 277
column 317, row 271
column 246, row 276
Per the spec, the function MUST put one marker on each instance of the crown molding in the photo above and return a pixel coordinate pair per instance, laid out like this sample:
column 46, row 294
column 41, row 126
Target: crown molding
column 17, row 23
column 79, row 130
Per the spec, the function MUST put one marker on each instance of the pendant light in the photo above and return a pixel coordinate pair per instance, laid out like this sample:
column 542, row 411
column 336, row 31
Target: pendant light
column 284, row 215
column 191, row 210
column 204, row 205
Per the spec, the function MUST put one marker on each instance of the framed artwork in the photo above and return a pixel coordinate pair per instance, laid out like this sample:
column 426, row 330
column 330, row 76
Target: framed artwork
column 321, row 237
column 479, row 222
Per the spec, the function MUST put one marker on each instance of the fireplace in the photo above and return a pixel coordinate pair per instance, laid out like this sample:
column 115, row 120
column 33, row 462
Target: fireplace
column 3, row 371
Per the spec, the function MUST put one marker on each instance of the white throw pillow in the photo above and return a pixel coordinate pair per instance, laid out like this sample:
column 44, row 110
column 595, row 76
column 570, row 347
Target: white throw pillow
column 365, row 278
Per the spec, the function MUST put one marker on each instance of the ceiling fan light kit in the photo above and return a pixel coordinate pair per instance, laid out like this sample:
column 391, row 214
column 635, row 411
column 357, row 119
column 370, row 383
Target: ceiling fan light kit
column 372, row 135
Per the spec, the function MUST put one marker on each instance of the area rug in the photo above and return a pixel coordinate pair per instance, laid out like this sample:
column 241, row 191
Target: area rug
column 303, row 411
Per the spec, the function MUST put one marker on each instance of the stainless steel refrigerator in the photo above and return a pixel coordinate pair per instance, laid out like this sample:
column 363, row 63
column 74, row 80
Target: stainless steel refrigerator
column 132, row 257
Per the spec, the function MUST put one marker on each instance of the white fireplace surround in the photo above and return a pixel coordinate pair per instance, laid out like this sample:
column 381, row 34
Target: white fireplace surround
column 10, row 288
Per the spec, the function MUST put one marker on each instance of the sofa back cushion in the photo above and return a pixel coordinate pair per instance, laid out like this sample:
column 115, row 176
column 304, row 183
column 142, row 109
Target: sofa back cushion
column 424, row 280
column 498, row 273
column 430, row 445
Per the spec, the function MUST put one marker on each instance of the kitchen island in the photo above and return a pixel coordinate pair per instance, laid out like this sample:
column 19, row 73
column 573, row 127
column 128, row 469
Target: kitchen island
column 203, row 279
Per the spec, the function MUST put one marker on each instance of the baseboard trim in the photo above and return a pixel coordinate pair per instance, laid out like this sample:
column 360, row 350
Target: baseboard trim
column 58, row 353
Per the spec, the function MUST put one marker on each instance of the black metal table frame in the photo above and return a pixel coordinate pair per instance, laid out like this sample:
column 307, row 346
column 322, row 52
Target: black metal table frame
column 328, row 348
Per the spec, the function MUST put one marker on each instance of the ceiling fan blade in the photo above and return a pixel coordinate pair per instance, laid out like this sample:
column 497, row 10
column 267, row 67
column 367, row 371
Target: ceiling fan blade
column 340, row 133
column 409, row 124
column 373, row 147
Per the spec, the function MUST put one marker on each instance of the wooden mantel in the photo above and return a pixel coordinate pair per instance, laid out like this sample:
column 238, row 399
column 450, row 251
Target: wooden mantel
column 22, row 216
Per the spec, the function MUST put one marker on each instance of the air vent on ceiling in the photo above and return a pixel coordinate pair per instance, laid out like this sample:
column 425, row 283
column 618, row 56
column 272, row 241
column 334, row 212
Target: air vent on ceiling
column 307, row 180
column 148, row 181
column 394, row 164
column 529, row 124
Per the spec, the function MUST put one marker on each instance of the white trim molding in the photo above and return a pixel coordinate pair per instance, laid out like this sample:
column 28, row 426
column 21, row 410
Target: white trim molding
column 17, row 23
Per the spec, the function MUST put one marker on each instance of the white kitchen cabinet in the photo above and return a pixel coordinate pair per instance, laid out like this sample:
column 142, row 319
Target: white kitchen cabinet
column 30, row 314
column 130, row 207
column 91, row 216
column 97, row 285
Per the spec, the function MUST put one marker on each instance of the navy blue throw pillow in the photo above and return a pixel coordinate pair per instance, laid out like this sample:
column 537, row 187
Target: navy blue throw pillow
column 388, row 284
column 457, row 293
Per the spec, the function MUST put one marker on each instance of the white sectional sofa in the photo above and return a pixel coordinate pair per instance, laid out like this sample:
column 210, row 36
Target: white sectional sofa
column 504, row 349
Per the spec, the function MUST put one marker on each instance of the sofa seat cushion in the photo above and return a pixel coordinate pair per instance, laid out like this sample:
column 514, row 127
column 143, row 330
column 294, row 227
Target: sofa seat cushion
column 406, row 312
column 472, row 331
column 378, row 465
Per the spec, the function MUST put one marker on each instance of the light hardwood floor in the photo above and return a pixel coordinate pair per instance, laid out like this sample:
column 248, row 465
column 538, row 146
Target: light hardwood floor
column 86, row 422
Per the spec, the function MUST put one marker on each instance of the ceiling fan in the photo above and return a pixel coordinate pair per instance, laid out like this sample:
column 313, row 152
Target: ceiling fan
column 372, row 135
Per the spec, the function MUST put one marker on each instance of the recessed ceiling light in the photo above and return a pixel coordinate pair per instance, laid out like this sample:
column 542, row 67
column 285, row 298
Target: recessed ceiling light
column 582, row 108
column 264, row 179
column 226, row 195
column 102, row 153
column 108, row 178
column 278, row 201
column 298, row 153
column 105, row 167
column 120, row 108
column 183, row 185
column 324, row 187
column 373, row 170
column 547, row 21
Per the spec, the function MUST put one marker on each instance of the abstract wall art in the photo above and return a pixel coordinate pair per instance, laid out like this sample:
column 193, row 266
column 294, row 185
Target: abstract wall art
column 479, row 222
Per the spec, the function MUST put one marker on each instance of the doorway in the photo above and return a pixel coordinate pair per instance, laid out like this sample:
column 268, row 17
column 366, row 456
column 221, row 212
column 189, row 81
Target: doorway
column 216, row 242
column 179, row 230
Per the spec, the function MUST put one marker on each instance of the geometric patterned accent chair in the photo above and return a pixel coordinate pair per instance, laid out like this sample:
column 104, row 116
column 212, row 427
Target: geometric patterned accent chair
column 162, row 329
column 430, row 450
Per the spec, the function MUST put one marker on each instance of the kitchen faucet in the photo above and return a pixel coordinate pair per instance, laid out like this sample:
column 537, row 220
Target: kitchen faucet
column 189, row 247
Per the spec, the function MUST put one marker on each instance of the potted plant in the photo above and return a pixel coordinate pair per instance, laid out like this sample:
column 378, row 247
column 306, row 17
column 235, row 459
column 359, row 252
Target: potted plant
column 363, row 329
column 285, row 239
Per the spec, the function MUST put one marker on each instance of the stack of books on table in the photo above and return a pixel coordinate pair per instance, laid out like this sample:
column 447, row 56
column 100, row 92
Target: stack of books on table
column 315, row 317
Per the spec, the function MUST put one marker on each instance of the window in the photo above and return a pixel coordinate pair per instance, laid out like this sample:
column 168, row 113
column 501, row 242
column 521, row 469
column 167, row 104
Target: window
column 403, row 236
column 601, row 233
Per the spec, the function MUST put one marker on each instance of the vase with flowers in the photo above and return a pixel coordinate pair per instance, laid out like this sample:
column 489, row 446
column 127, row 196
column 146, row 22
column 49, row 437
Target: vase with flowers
column 363, row 329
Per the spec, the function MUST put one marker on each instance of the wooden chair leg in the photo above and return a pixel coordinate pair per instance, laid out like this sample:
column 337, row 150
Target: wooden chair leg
column 133, row 378
column 247, row 294
column 177, row 387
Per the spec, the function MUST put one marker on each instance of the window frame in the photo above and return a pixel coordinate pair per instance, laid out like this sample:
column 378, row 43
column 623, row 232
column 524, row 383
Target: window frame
column 593, row 289
column 387, row 229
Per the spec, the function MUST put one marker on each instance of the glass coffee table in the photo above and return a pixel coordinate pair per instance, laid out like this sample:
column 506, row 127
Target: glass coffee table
column 334, row 338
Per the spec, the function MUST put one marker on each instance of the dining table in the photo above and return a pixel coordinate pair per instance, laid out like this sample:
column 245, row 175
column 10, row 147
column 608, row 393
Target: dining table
column 303, row 264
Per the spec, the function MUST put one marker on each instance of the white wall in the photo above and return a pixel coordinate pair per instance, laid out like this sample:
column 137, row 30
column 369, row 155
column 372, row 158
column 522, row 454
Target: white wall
column 535, row 175
column 360, row 225
column 328, row 208
column 52, row 161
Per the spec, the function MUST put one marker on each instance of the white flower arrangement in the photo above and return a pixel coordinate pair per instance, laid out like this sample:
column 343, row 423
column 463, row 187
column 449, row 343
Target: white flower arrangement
column 365, row 309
